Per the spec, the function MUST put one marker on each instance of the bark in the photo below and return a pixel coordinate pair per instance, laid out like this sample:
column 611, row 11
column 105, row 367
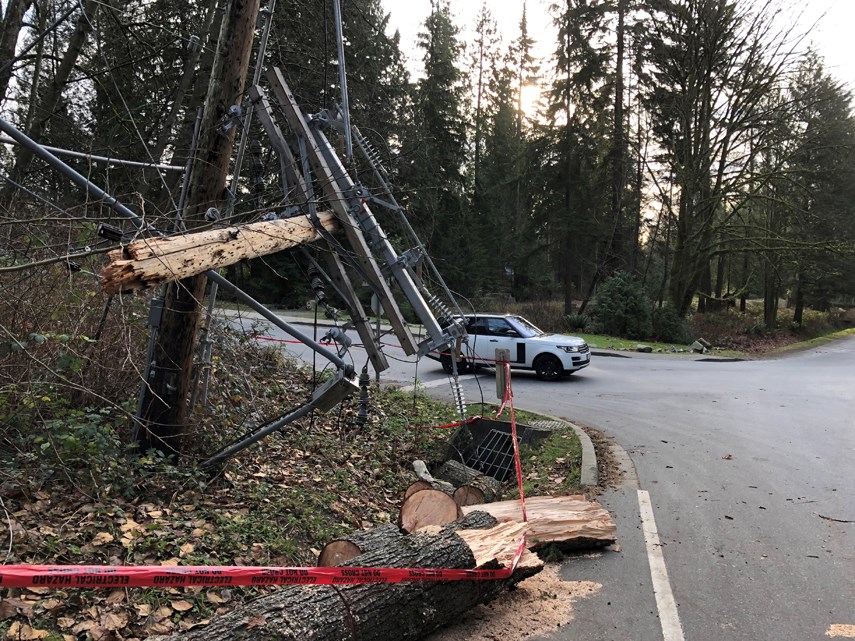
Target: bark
column 53, row 94
column 10, row 29
column 404, row 611
column 154, row 261
column 341, row 550
column 459, row 475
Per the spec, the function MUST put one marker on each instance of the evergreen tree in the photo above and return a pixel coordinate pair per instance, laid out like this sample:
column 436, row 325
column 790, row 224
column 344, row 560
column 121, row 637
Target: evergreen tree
column 433, row 157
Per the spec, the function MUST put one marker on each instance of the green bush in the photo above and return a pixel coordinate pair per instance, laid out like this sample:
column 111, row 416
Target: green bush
column 576, row 322
column 621, row 308
column 670, row 327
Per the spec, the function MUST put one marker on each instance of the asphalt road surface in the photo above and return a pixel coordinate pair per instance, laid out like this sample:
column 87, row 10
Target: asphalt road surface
column 742, row 522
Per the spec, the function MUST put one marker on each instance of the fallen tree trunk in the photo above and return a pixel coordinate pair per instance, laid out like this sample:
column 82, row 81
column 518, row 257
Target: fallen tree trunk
column 153, row 261
column 460, row 475
column 403, row 611
column 569, row 522
column 339, row 551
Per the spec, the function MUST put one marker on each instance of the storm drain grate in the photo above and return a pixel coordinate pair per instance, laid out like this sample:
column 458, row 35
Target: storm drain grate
column 494, row 456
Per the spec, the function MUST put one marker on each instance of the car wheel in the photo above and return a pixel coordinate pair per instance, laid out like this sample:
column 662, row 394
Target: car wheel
column 548, row 367
column 463, row 366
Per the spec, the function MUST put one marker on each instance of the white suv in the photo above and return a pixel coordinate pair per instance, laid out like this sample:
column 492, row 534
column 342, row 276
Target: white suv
column 551, row 356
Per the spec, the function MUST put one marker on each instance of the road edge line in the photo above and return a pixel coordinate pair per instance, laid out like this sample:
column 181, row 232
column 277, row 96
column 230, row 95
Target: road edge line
column 669, row 618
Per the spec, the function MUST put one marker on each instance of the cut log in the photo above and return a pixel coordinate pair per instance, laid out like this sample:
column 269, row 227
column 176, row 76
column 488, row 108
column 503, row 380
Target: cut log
column 569, row 522
column 459, row 474
column 340, row 550
column 153, row 261
column 468, row 495
column 427, row 507
column 404, row 611
column 418, row 486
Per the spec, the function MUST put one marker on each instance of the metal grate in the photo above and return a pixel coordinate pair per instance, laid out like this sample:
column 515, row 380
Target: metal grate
column 494, row 456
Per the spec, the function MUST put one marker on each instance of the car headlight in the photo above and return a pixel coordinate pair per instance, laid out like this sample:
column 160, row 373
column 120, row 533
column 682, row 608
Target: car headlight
column 570, row 349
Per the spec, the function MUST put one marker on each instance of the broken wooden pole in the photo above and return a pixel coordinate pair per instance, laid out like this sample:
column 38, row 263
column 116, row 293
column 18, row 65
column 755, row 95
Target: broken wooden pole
column 379, row 612
column 153, row 261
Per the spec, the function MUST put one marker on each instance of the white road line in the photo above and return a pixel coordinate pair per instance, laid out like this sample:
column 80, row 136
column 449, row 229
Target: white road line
column 672, row 630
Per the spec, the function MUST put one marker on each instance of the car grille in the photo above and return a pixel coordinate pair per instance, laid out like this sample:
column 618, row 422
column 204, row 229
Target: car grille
column 584, row 349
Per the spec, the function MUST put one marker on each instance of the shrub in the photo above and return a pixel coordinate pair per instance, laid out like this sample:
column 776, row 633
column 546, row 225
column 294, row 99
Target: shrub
column 621, row 308
column 670, row 327
column 576, row 322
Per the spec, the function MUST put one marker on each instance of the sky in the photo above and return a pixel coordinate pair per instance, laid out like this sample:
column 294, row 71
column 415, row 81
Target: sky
column 831, row 22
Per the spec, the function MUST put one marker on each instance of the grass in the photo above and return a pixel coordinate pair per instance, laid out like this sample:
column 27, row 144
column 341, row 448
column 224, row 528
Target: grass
column 815, row 342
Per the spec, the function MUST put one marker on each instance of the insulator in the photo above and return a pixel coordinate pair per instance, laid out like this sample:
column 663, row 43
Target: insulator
column 459, row 399
column 364, row 398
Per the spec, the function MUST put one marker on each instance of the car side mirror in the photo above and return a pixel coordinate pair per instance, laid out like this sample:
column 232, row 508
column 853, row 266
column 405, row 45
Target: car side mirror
column 512, row 333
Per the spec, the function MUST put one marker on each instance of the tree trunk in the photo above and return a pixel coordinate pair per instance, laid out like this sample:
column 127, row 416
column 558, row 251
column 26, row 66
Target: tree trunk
column 53, row 95
column 798, row 312
column 459, row 475
column 165, row 401
column 402, row 611
column 339, row 551
column 13, row 22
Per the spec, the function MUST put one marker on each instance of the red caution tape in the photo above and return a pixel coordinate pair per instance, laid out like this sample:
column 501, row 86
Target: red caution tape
column 446, row 425
column 112, row 576
column 509, row 397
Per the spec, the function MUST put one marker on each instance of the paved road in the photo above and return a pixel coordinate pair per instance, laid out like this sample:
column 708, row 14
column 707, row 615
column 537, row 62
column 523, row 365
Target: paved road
column 742, row 460
column 745, row 465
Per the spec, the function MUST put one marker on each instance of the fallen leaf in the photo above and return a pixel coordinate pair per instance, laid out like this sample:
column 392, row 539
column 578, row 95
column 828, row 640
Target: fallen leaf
column 114, row 620
column 213, row 597
column 23, row 632
column 143, row 609
column 186, row 549
column 181, row 605
column 727, row 457
column 51, row 604
column 65, row 622
column 116, row 596
column 256, row 621
column 9, row 608
column 131, row 526
column 102, row 538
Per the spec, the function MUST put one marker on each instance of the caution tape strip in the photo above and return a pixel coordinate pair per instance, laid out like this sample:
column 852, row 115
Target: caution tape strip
column 112, row 576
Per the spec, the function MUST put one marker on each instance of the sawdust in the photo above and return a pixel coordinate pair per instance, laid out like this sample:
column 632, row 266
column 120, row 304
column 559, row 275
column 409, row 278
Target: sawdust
column 537, row 606
column 838, row 630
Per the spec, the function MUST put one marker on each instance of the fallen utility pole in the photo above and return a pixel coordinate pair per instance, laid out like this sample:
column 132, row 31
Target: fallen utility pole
column 153, row 261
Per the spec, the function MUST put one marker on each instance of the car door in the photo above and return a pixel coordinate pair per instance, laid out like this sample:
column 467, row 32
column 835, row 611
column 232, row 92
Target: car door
column 488, row 335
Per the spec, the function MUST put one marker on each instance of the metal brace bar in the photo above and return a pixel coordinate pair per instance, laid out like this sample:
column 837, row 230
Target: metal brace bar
column 337, row 275
column 337, row 201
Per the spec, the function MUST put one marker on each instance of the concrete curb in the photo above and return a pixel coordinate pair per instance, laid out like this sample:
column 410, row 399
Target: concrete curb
column 588, row 475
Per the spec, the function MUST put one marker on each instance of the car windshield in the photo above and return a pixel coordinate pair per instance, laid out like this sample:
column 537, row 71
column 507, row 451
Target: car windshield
column 525, row 328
